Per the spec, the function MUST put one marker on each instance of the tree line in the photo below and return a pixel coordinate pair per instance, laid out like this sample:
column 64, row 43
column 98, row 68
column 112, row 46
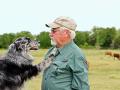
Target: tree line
column 98, row 37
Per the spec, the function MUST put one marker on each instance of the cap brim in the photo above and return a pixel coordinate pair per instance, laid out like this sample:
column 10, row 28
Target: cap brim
column 52, row 25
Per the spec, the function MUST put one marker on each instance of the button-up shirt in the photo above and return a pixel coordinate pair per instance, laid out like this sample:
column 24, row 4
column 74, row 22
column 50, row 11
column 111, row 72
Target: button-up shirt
column 68, row 70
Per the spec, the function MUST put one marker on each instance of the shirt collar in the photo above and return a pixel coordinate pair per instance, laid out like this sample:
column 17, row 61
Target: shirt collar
column 63, row 49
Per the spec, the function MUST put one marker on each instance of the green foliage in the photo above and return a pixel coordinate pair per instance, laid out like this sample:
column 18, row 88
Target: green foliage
column 102, row 37
column 116, row 42
column 25, row 34
column 92, row 39
column 6, row 39
column 81, row 38
column 106, row 37
column 44, row 39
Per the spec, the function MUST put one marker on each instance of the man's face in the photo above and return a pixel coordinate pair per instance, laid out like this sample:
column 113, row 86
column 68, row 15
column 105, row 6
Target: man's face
column 58, row 36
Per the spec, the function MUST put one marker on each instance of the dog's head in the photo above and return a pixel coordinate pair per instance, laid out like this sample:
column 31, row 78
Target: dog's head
column 17, row 51
column 24, row 44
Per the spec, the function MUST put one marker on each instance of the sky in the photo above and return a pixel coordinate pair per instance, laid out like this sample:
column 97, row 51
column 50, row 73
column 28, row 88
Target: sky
column 32, row 15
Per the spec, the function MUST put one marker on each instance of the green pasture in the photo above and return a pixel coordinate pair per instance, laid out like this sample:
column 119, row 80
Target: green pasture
column 104, row 71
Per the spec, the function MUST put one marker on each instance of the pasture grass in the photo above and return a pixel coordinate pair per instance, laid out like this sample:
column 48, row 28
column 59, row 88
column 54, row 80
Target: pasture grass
column 104, row 71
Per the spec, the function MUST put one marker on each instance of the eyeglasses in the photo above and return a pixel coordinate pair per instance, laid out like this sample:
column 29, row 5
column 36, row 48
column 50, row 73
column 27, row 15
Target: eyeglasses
column 54, row 30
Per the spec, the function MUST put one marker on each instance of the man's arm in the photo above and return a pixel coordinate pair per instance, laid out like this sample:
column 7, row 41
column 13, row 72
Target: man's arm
column 80, row 74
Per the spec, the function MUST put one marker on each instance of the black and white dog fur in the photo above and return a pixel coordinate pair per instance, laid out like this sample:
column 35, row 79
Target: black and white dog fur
column 16, row 66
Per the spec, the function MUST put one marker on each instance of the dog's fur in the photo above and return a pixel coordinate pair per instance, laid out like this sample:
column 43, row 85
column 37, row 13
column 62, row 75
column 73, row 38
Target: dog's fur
column 16, row 67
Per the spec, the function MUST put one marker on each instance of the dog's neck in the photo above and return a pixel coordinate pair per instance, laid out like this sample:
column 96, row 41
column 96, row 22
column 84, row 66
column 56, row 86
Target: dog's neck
column 19, row 57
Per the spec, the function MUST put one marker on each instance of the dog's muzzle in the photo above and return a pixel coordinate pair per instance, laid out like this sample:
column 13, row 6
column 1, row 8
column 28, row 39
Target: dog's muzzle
column 34, row 45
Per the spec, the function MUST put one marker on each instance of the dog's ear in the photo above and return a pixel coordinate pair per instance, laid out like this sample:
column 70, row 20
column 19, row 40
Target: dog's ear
column 29, row 40
column 17, row 46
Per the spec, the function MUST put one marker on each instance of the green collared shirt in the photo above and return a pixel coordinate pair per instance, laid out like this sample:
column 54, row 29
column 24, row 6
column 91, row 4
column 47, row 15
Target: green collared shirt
column 68, row 70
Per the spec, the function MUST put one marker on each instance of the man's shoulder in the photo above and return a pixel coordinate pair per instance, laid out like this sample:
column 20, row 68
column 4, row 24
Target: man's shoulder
column 76, row 50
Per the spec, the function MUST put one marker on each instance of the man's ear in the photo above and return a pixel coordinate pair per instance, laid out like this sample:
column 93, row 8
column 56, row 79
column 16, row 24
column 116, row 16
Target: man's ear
column 67, row 32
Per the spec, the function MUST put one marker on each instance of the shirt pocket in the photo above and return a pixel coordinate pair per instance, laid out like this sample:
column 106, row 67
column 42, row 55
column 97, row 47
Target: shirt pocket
column 60, row 67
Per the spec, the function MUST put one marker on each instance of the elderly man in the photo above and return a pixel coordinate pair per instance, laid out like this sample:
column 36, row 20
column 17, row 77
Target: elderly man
column 68, row 70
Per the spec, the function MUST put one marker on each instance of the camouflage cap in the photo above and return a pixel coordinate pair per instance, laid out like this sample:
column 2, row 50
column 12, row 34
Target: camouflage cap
column 63, row 22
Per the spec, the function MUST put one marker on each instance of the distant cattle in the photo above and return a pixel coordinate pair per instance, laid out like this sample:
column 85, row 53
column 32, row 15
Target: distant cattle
column 109, row 53
column 116, row 55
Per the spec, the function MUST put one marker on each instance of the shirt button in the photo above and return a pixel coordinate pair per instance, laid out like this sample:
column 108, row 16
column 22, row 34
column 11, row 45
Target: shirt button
column 45, row 78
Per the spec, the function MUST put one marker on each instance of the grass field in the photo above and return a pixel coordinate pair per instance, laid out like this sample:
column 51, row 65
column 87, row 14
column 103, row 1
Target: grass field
column 104, row 71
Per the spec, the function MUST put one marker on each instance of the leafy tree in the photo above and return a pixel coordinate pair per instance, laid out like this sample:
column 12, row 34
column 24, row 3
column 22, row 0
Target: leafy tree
column 106, row 37
column 116, row 42
column 44, row 39
column 24, row 34
column 6, row 39
column 92, row 39
column 81, row 38
column 103, row 36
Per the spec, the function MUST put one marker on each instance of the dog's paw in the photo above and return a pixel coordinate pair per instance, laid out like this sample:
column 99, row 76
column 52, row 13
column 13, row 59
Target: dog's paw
column 44, row 64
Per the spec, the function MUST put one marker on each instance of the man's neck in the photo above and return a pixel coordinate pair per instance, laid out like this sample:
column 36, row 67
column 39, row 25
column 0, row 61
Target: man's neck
column 63, row 44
